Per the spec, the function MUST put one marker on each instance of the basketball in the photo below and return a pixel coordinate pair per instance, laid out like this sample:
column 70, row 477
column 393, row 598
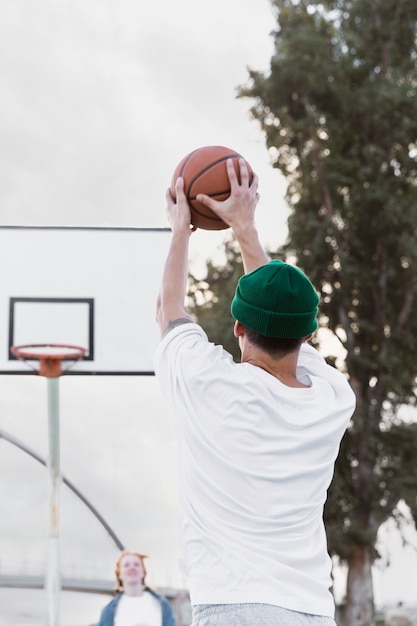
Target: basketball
column 204, row 171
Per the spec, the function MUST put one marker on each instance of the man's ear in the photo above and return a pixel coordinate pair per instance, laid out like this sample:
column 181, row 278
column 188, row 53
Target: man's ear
column 238, row 329
column 307, row 338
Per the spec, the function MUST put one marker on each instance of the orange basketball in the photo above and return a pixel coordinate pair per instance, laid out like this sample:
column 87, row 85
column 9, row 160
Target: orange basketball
column 204, row 171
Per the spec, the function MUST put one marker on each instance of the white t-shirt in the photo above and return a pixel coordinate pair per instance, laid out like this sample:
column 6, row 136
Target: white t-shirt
column 257, row 458
column 143, row 610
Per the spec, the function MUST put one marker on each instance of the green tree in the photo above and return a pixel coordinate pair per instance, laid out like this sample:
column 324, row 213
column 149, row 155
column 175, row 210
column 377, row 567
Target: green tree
column 338, row 110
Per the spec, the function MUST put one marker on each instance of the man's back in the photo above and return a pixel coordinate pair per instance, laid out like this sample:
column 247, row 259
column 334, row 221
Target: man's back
column 257, row 459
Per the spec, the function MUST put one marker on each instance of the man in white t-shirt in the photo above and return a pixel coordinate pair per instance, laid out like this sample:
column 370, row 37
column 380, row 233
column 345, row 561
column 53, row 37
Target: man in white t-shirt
column 259, row 438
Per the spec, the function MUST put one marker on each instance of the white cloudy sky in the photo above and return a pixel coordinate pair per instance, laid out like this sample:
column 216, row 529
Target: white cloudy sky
column 99, row 101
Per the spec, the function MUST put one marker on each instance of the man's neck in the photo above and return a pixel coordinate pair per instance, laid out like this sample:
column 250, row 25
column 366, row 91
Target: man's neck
column 284, row 369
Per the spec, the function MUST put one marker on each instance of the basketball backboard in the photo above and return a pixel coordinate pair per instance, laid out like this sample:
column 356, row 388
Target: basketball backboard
column 91, row 287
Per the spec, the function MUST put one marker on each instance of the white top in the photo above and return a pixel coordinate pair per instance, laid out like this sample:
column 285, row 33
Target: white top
column 257, row 459
column 143, row 610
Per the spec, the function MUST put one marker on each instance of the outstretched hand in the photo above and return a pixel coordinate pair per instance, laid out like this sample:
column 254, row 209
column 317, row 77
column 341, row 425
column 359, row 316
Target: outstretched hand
column 238, row 210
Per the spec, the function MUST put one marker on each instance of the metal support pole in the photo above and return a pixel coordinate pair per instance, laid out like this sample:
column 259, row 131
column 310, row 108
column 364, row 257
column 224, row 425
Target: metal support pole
column 50, row 357
column 53, row 579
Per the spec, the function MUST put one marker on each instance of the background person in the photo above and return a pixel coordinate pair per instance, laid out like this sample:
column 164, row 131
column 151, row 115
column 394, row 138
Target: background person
column 258, row 438
column 135, row 604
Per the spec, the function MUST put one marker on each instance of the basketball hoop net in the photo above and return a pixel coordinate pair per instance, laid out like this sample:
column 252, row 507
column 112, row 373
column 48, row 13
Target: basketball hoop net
column 49, row 356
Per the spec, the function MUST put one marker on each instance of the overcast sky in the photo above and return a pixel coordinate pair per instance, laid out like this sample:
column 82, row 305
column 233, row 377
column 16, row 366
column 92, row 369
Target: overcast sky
column 100, row 99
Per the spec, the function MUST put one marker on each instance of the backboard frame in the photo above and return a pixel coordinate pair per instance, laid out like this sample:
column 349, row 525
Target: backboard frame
column 155, row 241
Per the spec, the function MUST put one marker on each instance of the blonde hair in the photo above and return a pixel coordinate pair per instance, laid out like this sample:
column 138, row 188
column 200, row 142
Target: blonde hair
column 119, row 586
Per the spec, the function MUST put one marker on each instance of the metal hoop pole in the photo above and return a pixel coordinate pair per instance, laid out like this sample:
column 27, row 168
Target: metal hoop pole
column 50, row 357
column 53, row 578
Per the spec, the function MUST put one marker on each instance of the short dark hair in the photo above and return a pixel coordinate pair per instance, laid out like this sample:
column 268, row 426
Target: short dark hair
column 274, row 346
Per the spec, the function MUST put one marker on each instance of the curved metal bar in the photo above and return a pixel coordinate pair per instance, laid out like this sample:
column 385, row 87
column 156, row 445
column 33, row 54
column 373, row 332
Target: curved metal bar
column 68, row 483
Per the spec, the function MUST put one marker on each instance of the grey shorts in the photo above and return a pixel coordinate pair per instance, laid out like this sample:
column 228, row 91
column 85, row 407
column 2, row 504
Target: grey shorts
column 254, row 614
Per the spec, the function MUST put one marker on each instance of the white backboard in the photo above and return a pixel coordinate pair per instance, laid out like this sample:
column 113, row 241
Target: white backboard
column 91, row 287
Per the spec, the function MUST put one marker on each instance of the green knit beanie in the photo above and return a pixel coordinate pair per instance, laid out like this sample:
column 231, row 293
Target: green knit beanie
column 276, row 300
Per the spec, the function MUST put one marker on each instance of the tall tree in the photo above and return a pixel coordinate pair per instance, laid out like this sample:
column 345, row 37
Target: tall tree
column 338, row 109
column 339, row 113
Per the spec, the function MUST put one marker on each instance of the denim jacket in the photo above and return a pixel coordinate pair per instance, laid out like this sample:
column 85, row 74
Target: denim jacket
column 109, row 611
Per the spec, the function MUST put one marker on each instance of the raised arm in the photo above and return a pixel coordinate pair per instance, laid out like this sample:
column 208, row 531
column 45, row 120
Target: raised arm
column 238, row 211
column 171, row 300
